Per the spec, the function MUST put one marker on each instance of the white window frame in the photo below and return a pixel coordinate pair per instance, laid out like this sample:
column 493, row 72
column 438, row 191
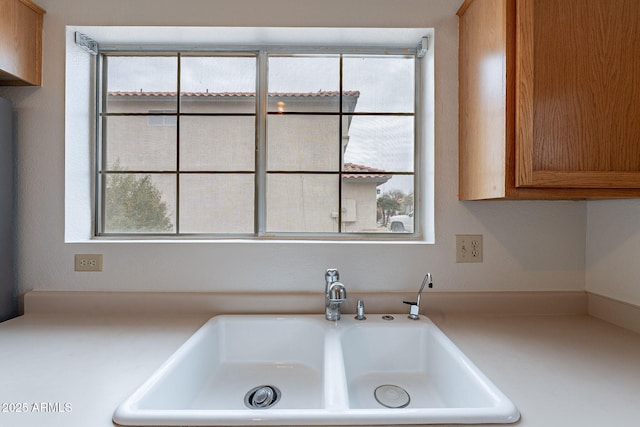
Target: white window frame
column 423, row 170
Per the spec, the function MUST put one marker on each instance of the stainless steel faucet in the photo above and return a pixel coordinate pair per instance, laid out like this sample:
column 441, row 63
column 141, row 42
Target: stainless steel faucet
column 334, row 294
column 414, row 312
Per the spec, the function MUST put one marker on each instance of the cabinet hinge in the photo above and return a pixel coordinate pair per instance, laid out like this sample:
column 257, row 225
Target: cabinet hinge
column 87, row 43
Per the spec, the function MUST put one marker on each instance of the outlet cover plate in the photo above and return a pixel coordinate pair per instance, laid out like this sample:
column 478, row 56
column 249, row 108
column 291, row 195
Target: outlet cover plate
column 88, row 262
column 468, row 248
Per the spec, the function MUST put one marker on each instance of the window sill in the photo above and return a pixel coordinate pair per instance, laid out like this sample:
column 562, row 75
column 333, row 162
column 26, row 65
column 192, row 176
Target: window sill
column 260, row 241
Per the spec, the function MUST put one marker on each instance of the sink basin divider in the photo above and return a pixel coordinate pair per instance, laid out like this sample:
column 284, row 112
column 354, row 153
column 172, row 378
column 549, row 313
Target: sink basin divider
column 336, row 392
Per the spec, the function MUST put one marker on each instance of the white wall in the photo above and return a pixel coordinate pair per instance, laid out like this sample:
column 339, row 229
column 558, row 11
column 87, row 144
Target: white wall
column 527, row 245
column 613, row 249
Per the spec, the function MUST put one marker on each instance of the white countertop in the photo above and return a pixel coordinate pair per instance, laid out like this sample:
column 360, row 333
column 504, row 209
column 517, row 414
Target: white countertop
column 73, row 370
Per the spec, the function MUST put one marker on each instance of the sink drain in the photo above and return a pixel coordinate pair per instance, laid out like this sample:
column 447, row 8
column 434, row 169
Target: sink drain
column 262, row 397
column 392, row 396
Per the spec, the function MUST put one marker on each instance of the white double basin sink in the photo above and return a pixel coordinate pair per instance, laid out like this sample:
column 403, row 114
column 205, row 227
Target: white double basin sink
column 305, row 370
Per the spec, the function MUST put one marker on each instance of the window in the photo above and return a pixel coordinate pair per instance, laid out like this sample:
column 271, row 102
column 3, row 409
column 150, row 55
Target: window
column 265, row 143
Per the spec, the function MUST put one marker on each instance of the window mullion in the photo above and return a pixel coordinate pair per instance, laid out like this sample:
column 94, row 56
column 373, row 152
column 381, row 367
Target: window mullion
column 101, row 75
column 341, row 148
column 178, row 102
column 418, row 160
column 261, row 144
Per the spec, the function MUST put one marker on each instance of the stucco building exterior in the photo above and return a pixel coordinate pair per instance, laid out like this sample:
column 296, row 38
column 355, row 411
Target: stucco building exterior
column 208, row 146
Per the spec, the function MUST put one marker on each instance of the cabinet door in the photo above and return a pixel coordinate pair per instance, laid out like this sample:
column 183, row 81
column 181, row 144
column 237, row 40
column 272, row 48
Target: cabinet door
column 578, row 93
column 485, row 66
column 20, row 43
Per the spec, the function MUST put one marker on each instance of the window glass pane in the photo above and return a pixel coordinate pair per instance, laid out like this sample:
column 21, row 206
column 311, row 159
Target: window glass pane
column 385, row 83
column 381, row 142
column 303, row 143
column 303, row 203
column 218, row 84
column 214, row 143
column 304, row 83
column 140, row 143
column 139, row 203
column 395, row 204
column 136, row 84
column 216, row 203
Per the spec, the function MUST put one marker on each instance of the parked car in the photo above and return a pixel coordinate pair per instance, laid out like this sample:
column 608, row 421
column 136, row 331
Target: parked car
column 401, row 223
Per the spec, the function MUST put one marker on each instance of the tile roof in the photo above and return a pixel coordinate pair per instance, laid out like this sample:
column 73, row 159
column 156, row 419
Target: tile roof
column 354, row 172
column 319, row 94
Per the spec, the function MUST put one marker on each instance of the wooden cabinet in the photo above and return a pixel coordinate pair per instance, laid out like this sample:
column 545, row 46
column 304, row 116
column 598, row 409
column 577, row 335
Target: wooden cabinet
column 20, row 43
column 549, row 99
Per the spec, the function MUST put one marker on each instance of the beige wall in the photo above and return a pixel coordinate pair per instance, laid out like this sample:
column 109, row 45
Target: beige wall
column 613, row 249
column 527, row 245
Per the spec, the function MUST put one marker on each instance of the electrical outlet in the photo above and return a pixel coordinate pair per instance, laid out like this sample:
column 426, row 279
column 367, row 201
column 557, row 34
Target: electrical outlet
column 468, row 247
column 88, row 262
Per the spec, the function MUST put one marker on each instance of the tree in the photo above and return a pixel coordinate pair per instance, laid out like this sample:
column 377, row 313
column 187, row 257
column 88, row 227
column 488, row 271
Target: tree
column 393, row 202
column 407, row 203
column 134, row 204
column 389, row 203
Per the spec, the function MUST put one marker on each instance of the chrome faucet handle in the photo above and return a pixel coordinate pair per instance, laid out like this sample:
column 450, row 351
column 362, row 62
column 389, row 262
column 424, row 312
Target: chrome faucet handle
column 414, row 311
column 331, row 275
